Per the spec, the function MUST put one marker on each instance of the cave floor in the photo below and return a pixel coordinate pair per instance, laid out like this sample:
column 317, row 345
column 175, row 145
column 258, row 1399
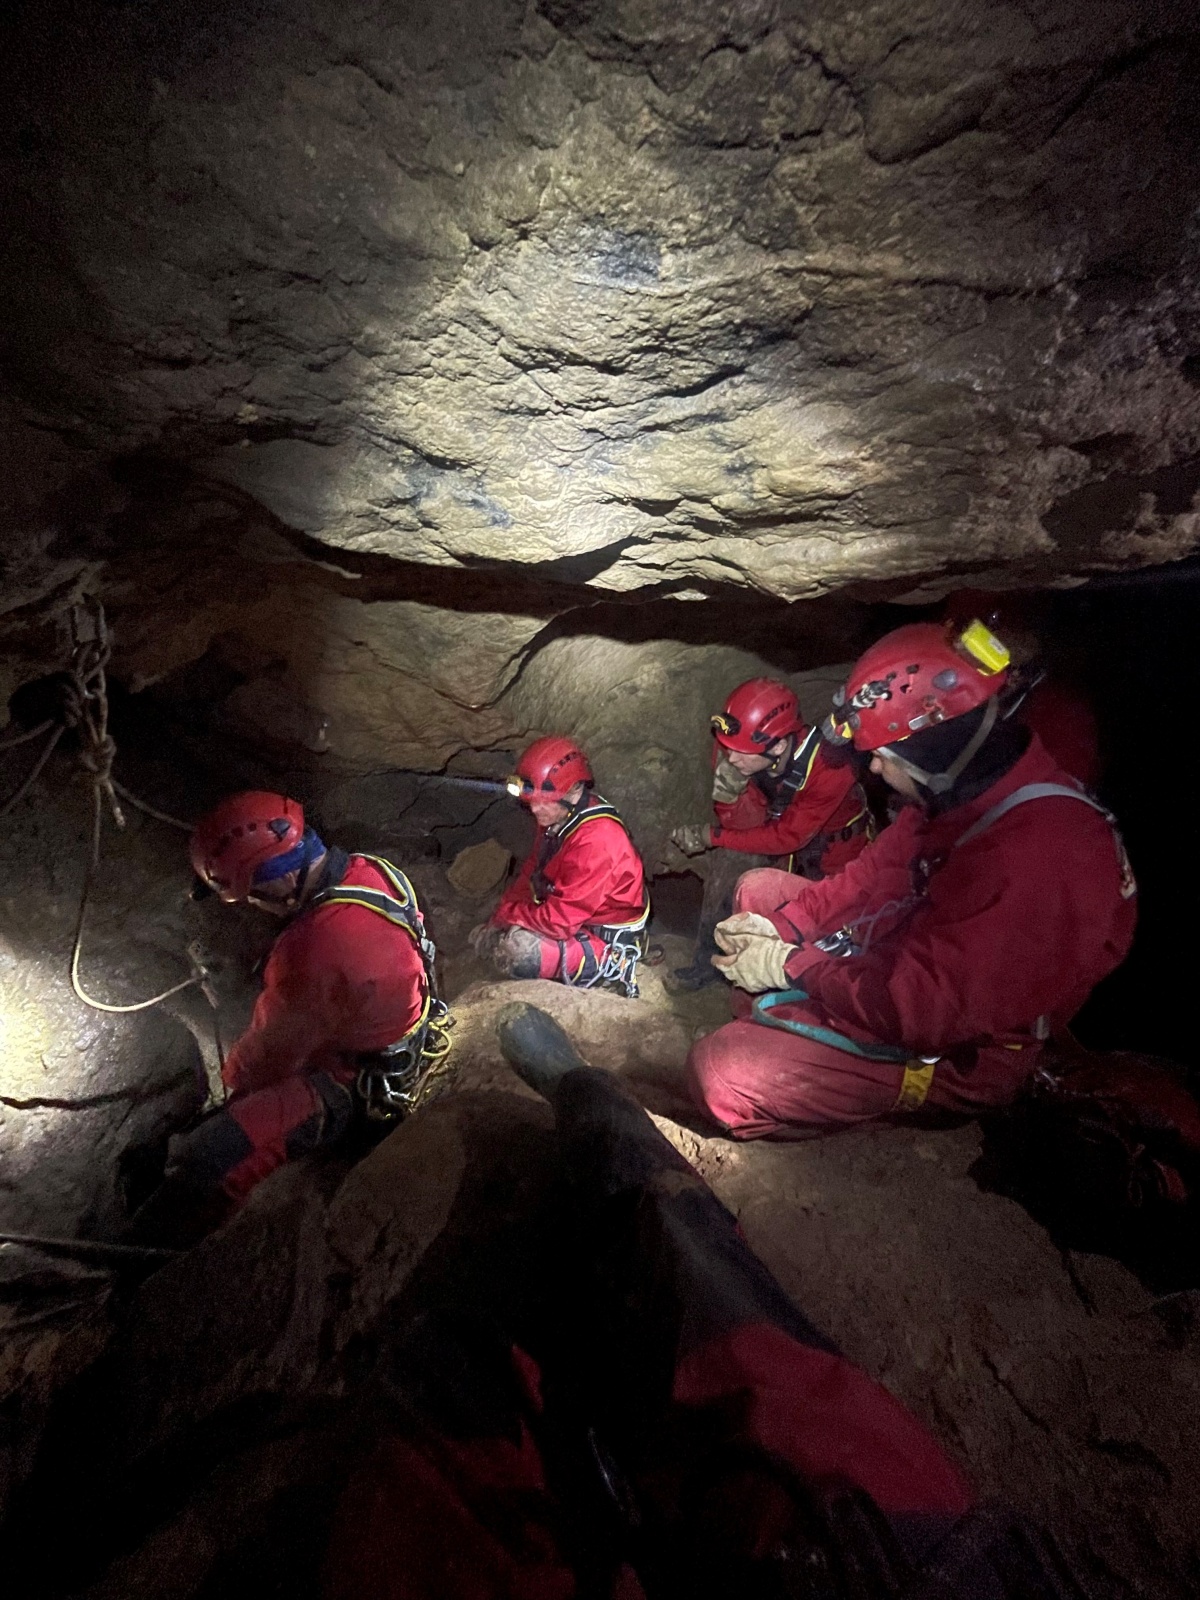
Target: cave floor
column 1060, row 1383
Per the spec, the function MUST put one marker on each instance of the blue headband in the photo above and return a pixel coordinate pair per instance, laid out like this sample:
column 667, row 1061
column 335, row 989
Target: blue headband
column 293, row 860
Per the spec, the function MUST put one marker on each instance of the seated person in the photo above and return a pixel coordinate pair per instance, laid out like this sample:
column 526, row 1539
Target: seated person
column 781, row 795
column 931, row 969
column 347, row 998
column 577, row 910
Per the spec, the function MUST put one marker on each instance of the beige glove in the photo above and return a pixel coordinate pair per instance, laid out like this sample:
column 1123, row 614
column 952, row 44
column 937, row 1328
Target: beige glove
column 692, row 838
column 757, row 956
column 728, row 782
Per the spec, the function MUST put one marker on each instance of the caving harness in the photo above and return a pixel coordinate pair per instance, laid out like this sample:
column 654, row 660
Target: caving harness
column 781, row 790
column 392, row 1081
column 918, row 1071
column 624, row 943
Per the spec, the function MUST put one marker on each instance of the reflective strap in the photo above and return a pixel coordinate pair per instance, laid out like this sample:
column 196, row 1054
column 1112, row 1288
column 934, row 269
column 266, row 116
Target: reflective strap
column 1030, row 791
column 635, row 925
column 915, row 1085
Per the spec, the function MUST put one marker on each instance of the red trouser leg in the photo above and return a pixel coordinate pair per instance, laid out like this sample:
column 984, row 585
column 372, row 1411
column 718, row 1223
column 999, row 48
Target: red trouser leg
column 569, row 960
column 761, row 1082
column 236, row 1147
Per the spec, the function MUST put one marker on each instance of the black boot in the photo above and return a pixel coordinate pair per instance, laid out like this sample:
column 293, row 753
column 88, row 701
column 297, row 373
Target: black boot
column 685, row 980
column 536, row 1047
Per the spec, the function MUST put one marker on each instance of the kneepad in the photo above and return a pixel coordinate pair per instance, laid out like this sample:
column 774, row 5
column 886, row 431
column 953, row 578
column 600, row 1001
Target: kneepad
column 519, row 954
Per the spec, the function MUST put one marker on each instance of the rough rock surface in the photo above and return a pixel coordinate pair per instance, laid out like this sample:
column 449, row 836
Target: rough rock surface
column 780, row 295
column 78, row 1087
column 1060, row 1383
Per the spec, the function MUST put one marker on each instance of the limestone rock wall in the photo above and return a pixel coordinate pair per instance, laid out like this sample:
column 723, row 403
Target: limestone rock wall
column 777, row 294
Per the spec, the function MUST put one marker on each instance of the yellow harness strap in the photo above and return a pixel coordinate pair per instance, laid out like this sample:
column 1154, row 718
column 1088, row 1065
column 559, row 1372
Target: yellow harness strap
column 915, row 1085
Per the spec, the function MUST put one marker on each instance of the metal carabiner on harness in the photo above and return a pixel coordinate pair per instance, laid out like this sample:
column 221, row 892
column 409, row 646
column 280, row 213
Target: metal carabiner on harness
column 393, row 1082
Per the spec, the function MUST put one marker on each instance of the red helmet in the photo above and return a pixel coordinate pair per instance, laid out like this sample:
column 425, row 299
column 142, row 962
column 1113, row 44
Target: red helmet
column 916, row 677
column 230, row 844
column 551, row 766
column 756, row 714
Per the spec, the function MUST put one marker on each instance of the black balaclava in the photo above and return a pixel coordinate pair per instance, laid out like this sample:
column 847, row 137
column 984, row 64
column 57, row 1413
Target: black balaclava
column 934, row 750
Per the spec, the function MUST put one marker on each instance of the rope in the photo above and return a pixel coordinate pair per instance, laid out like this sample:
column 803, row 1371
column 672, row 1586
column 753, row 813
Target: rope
column 85, row 707
column 151, row 811
column 15, row 739
column 47, row 752
column 91, row 1247
column 89, row 880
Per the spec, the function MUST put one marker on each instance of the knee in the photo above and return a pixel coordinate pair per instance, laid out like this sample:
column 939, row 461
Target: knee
column 710, row 1086
column 754, row 890
column 518, row 953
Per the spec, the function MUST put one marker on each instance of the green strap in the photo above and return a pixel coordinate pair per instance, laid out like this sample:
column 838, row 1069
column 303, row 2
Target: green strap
column 766, row 1003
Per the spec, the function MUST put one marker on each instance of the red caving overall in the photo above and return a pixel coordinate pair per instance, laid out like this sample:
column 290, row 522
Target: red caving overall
column 594, row 879
column 340, row 982
column 968, row 955
column 828, row 805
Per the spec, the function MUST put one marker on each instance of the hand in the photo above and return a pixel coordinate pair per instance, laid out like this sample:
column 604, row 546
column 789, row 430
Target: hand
column 757, row 956
column 728, row 782
column 692, row 838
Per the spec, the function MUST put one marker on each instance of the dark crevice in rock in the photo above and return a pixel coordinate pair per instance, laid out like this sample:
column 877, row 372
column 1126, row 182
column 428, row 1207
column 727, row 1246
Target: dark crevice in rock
column 1080, row 518
column 136, row 1094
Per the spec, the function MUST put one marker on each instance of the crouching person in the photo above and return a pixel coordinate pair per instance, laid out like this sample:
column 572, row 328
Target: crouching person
column 931, row 969
column 348, row 1005
column 782, row 796
column 577, row 911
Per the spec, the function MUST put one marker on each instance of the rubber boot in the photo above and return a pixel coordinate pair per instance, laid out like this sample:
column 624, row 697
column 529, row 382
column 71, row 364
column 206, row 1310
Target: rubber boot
column 686, row 980
column 536, row 1047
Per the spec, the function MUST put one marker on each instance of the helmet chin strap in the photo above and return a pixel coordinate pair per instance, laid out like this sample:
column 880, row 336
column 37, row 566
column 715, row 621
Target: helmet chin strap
column 940, row 782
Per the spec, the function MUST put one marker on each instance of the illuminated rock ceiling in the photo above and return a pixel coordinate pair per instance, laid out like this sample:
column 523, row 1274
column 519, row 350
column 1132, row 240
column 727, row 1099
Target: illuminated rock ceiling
column 791, row 296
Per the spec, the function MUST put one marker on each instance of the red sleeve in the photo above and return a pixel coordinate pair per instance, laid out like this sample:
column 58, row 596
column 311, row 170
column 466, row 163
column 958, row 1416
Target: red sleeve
column 749, row 810
column 880, row 874
column 1008, row 932
column 581, row 873
column 810, row 810
column 295, row 1017
column 517, row 893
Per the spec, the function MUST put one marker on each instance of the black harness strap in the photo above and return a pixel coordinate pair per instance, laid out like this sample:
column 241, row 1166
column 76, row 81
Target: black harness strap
column 781, row 791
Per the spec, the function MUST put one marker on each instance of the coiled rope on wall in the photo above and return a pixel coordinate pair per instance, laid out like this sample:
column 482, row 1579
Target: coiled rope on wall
column 84, row 709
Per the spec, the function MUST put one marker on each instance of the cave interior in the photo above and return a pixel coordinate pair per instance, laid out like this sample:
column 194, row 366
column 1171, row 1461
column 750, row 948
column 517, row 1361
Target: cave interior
column 400, row 383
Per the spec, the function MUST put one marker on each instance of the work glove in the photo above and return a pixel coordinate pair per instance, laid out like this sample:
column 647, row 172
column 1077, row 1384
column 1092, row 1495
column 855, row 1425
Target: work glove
column 692, row 838
column 728, row 782
column 756, row 956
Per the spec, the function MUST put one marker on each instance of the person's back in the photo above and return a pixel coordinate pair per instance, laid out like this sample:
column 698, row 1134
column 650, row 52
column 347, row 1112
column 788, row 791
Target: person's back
column 340, row 981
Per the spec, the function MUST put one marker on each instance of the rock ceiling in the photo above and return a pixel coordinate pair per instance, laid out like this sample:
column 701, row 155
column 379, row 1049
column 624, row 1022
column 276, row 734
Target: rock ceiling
column 629, row 298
